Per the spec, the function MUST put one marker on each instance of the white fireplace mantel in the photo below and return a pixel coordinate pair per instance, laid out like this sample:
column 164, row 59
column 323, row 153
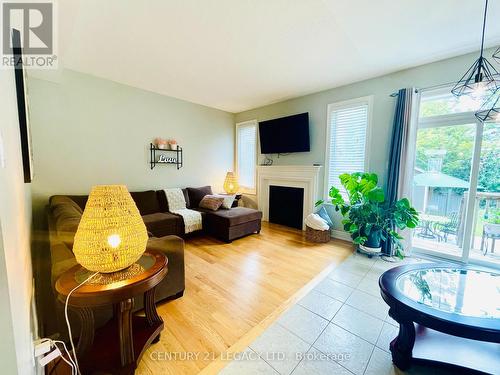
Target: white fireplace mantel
column 299, row 176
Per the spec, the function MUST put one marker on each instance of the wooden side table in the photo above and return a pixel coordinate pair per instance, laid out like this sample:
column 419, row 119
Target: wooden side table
column 98, row 351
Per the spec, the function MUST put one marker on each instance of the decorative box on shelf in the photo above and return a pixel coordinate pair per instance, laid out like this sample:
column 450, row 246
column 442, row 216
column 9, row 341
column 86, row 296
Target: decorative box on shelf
column 165, row 156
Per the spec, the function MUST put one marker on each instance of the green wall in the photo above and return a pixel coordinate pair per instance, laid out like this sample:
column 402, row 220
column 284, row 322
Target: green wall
column 437, row 73
column 87, row 131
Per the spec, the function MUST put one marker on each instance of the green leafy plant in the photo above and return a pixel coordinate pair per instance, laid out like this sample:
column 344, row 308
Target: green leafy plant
column 367, row 217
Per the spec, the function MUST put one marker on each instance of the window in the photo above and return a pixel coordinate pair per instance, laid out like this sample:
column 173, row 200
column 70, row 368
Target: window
column 246, row 154
column 347, row 139
column 455, row 180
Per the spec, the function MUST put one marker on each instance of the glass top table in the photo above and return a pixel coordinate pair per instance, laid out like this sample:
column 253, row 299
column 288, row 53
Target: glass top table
column 444, row 309
column 454, row 290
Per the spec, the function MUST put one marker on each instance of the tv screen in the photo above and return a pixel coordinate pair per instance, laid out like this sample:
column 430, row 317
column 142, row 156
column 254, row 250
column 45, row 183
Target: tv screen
column 285, row 134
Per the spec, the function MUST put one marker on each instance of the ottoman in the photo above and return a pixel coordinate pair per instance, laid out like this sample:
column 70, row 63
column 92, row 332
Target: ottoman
column 227, row 225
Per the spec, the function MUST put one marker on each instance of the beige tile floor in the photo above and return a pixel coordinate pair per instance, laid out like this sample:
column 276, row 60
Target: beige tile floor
column 340, row 327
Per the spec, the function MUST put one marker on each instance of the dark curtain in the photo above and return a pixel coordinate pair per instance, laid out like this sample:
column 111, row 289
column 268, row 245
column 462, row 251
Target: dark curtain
column 401, row 121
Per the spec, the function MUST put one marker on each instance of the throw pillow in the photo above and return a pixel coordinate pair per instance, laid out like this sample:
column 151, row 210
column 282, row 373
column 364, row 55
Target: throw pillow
column 324, row 215
column 228, row 200
column 197, row 194
column 211, row 202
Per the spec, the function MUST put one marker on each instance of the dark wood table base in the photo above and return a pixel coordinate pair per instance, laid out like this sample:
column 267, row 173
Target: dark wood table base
column 99, row 351
column 117, row 347
column 464, row 356
column 465, row 344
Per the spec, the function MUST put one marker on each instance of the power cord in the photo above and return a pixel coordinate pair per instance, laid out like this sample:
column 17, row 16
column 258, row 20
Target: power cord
column 75, row 359
column 69, row 361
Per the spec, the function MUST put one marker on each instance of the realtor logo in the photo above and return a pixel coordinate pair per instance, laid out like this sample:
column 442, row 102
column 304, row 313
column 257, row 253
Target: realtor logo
column 35, row 23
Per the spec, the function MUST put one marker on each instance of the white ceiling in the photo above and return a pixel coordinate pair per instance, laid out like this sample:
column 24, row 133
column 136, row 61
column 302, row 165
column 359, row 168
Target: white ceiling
column 240, row 54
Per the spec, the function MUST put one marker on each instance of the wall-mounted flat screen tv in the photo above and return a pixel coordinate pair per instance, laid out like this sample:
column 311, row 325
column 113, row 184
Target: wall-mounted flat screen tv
column 285, row 134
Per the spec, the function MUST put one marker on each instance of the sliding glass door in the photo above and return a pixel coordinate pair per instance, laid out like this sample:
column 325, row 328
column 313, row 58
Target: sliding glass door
column 486, row 217
column 456, row 180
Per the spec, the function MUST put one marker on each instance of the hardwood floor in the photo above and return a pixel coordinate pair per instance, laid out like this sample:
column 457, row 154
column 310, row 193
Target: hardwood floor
column 233, row 291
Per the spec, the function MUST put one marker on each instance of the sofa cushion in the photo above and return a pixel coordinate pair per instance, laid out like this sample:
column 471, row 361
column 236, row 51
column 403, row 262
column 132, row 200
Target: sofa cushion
column 80, row 200
column 228, row 200
column 234, row 216
column 197, row 194
column 146, row 201
column 57, row 200
column 67, row 215
column 211, row 202
column 162, row 199
column 163, row 223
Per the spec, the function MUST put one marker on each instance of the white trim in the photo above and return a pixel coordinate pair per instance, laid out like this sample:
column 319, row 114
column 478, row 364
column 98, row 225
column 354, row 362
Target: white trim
column 246, row 189
column 446, row 120
column 470, row 211
column 368, row 100
column 301, row 176
column 454, row 119
column 341, row 235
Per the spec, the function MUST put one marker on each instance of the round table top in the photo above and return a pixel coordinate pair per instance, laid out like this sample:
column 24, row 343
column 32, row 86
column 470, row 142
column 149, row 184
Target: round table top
column 434, row 218
column 458, row 297
column 105, row 289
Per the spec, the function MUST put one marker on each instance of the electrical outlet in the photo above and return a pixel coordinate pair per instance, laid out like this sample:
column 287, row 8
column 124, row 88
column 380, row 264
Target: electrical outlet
column 50, row 357
column 42, row 346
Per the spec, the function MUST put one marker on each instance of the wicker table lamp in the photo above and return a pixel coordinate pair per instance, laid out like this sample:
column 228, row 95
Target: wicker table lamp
column 231, row 183
column 111, row 235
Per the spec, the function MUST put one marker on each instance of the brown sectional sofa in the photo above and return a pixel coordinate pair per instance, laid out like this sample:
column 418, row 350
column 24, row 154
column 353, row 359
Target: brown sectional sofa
column 165, row 231
column 225, row 225
column 64, row 214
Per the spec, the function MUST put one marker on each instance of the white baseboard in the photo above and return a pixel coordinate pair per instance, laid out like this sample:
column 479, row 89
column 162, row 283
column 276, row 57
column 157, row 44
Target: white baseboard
column 341, row 235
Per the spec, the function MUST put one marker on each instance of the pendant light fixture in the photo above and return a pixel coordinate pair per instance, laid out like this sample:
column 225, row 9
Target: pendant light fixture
column 496, row 55
column 490, row 110
column 481, row 78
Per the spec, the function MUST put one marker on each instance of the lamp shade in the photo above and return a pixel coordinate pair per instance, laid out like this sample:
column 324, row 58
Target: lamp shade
column 111, row 235
column 490, row 110
column 231, row 183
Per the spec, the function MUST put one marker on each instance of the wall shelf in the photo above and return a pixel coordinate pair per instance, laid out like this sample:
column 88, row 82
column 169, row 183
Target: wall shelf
column 165, row 156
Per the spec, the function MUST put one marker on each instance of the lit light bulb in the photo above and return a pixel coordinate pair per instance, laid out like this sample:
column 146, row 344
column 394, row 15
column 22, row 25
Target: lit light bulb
column 114, row 240
column 479, row 90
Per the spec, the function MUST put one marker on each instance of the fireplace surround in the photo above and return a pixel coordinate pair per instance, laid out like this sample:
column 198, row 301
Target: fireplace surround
column 296, row 176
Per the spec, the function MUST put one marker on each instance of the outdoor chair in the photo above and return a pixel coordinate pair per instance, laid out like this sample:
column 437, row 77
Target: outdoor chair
column 490, row 231
column 451, row 227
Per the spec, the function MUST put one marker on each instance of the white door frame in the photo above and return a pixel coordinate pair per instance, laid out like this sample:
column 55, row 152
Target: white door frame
column 470, row 205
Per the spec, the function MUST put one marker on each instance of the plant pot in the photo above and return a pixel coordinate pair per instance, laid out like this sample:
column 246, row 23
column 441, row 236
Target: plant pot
column 161, row 147
column 374, row 239
column 173, row 146
column 370, row 250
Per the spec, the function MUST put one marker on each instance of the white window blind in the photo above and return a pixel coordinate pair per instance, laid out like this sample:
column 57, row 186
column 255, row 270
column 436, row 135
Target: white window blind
column 348, row 125
column 246, row 143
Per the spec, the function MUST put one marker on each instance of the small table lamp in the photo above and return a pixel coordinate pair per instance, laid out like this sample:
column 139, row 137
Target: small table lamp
column 231, row 183
column 111, row 235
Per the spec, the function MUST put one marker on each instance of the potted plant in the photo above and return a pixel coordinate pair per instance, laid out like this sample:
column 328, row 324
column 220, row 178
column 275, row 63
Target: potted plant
column 367, row 217
column 160, row 143
column 172, row 143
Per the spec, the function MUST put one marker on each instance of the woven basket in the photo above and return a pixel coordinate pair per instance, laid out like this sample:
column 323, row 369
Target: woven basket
column 318, row 236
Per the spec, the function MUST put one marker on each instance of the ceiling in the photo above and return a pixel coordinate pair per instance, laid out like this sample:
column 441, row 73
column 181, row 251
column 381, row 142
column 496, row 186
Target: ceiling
column 240, row 54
